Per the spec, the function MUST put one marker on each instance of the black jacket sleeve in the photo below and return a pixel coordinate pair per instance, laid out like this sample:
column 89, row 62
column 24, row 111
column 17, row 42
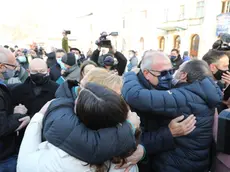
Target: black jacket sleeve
column 95, row 56
column 122, row 62
column 8, row 123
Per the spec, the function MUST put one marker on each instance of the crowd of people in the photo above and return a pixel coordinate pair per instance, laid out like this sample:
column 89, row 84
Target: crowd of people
column 62, row 111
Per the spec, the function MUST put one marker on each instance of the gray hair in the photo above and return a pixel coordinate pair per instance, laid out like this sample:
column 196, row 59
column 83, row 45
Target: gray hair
column 150, row 57
column 196, row 70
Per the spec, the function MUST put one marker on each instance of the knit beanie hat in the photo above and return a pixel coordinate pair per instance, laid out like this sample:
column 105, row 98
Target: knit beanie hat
column 69, row 59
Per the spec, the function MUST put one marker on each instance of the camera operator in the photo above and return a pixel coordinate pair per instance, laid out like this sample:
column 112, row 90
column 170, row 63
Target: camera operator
column 65, row 44
column 106, row 56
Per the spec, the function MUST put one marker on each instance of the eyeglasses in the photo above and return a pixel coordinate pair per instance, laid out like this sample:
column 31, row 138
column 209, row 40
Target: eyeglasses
column 162, row 73
column 7, row 64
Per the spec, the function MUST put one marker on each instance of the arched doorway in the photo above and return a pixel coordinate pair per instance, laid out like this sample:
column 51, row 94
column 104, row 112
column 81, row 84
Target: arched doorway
column 177, row 42
column 162, row 43
column 195, row 40
column 142, row 44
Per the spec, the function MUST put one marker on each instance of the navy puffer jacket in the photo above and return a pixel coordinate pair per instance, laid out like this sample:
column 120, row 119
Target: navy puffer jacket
column 62, row 128
column 199, row 98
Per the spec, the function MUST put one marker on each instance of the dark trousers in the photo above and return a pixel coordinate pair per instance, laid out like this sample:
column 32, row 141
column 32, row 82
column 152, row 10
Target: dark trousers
column 9, row 165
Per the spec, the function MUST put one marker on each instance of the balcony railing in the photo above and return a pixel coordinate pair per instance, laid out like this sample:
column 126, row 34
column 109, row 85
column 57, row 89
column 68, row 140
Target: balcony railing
column 180, row 24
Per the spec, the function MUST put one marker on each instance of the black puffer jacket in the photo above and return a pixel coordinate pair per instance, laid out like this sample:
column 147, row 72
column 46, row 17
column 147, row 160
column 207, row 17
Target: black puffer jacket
column 122, row 61
column 8, row 124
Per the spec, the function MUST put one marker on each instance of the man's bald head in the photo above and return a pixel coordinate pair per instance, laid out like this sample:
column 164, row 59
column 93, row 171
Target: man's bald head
column 6, row 56
column 38, row 65
column 155, row 60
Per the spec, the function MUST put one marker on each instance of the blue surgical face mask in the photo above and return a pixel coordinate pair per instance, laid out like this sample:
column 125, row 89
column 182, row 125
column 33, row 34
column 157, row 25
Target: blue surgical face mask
column 173, row 57
column 9, row 73
column 165, row 82
column 61, row 64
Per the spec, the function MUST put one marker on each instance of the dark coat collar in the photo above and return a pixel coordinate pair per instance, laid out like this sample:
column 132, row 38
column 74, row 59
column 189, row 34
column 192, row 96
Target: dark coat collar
column 47, row 87
column 144, row 81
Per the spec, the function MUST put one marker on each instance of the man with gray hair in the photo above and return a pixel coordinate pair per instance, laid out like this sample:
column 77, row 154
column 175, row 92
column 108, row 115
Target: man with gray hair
column 11, row 120
column 197, row 94
column 191, row 71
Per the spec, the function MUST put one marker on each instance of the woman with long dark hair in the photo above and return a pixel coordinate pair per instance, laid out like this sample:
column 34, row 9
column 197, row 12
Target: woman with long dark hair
column 98, row 107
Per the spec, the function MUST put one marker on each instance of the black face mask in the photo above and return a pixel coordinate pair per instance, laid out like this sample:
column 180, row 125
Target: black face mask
column 39, row 78
column 219, row 73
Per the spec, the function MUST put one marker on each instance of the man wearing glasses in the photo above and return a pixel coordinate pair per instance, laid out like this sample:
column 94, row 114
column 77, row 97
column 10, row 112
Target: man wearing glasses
column 196, row 93
column 11, row 120
column 13, row 73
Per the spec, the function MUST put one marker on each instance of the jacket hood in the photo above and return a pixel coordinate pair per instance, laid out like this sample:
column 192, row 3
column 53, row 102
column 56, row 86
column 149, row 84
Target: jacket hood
column 65, row 89
column 208, row 90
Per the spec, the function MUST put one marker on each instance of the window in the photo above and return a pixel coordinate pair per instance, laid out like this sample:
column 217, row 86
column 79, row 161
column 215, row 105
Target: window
column 195, row 40
column 200, row 9
column 123, row 45
column 166, row 15
column 144, row 14
column 177, row 42
column 181, row 12
column 142, row 44
column 91, row 44
column 225, row 6
column 162, row 43
column 123, row 23
column 91, row 28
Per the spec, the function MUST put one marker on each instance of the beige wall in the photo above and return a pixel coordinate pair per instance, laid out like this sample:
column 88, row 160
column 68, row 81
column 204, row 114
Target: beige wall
column 86, row 30
column 147, row 29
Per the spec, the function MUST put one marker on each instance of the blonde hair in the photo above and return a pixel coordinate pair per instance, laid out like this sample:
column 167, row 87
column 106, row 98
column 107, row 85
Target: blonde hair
column 103, row 77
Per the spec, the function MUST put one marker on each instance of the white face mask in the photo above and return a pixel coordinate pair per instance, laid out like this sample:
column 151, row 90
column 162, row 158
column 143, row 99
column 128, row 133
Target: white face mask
column 104, row 50
column 131, row 55
column 77, row 57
